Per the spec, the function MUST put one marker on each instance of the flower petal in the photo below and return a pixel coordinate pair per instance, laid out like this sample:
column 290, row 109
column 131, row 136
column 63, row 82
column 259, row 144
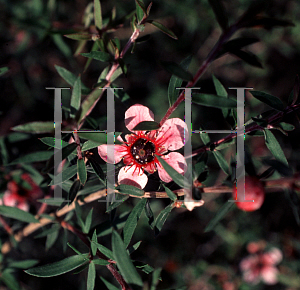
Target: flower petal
column 130, row 175
column 190, row 205
column 119, row 152
column 177, row 161
column 274, row 256
column 173, row 134
column 269, row 275
column 137, row 114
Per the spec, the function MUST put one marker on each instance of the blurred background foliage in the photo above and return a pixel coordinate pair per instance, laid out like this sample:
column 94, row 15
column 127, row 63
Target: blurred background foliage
column 32, row 41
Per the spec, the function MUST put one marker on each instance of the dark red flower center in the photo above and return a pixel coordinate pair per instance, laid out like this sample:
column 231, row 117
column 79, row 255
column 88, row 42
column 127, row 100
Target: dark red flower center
column 142, row 151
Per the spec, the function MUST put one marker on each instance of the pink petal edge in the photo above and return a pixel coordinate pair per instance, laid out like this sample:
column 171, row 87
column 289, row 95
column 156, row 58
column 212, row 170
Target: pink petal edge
column 119, row 153
column 128, row 176
column 137, row 114
column 177, row 161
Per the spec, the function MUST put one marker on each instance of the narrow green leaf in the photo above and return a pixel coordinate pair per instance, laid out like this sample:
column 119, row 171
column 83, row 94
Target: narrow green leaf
column 162, row 28
column 88, row 222
column 50, row 141
column 140, row 10
column 74, row 249
column 9, row 280
column 177, row 177
column 3, row 70
column 66, row 174
column 58, row 268
column 119, row 199
column 134, row 247
column 162, row 217
column 248, row 57
column 109, row 285
column 76, row 97
column 54, row 228
column 94, row 243
column 79, row 36
column 155, row 278
column 33, row 157
column 204, row 137
column 16, row 213
column 88, row 145
column 23, row 264
column 268, row 99
column 51, row 238
column 98, row 14
column 100, row 262
column 220, row 13
column 237, row 44
column 116, row 74
column 98, row 55
column 275, row 147
column 70, row 78
column 97, row 169
column 220, row 90
column 146, row 126
column 170, row 193
column 129, row 189
column 175, row 69
column 213, row 101
column 287, row 126
column 132, row 221
column 105, row 251
column 176, row 82
column 221, row 161
column 74, row 189
column 35, row 127
column 81, row 171
column 124, row 263
column 225, row 208
column 91, row 276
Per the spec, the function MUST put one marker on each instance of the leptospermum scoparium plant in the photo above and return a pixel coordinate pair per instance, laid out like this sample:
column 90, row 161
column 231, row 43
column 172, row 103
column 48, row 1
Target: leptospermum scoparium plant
column 179, row 243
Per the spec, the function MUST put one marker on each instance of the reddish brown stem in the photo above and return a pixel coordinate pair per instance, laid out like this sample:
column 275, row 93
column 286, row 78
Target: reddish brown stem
column 6, row 226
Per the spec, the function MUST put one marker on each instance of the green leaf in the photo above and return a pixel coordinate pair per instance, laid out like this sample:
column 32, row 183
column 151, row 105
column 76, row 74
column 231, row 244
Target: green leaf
column 58, row 268
column 146, row 126
column 220, row 13
column 275, row 147
column 94, row 243
column 177, row 177
column 88, row 145
column 220, row 90
column 35, row 127
column 9, row 280
column 109, row 285
column 247, row 57
column 79, row 36
column 16, row 213
column 176, row 82
column 70, row 78
column 105, row 251
column 52, row 237
column 76, row 97
column 221, row 161
column 3, row 70
column 81, row 171
column 74, row 190
column 129, row 189
column 88, row 222
column 65, row 175
column 50, row 141
column 155, row 278
column 286, row 126
column 175, row 69
column 134, row 247
column 213, row 101
column 33, row 157
column 170, row 193
column 98, row 14
column 23, row 264
column 162, row 217
column 119, row 199
column 97, row 169
column 91, row 276
column 98, row 55
column 132, row 221
column 101, row 262
column 225, row 208
column 124, row 263
column 74, row 249
column 140, row 10
column 162, row 28
column 268, row 99
column 205, row 137
column 54, row 228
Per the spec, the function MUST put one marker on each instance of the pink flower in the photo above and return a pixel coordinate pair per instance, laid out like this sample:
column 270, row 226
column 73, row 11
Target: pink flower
column 18, row 194
column 141, row 148
column 261, row 266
